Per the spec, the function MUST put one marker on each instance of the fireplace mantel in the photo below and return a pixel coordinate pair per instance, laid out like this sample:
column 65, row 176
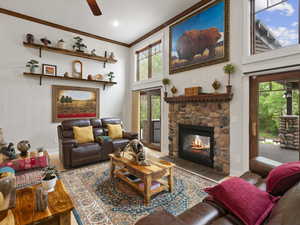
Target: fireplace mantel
column 224, row 97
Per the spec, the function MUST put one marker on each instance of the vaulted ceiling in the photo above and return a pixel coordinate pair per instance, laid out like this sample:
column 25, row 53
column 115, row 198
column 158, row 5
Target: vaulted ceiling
column 122, row 20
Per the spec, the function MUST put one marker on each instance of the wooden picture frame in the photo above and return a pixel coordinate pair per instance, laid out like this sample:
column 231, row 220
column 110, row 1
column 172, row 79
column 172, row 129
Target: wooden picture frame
column 211, row 38
column 70, row 102
column 49, row 69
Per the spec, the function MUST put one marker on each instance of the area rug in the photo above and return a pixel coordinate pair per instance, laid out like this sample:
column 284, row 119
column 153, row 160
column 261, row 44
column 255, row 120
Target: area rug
column 100, row 200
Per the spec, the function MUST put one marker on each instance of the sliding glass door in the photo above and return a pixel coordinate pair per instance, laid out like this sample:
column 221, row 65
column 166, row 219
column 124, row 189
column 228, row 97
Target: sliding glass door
column 150, row 118
column 274, row 116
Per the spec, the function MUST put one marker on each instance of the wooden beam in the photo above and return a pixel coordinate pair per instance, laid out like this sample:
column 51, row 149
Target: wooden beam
column 171, row 21
column 61, row 27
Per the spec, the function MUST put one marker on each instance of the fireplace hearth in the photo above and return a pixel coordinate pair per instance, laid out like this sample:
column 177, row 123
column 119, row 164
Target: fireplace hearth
column 196, row 143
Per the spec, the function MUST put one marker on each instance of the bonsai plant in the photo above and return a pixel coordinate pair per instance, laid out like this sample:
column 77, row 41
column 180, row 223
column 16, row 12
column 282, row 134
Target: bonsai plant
column 166, row 82
column 79, row 46
column 32, row 64
column 49, row 177
column 229, row 69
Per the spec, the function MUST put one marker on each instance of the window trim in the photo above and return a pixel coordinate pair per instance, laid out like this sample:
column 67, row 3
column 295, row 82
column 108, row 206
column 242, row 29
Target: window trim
column 149, row 49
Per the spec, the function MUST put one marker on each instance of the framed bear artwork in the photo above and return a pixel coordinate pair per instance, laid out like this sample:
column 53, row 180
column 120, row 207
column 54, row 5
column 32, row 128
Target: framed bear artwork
column 200, row 39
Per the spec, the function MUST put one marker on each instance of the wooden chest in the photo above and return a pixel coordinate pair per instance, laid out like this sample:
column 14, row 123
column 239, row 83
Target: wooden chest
column 192, row 91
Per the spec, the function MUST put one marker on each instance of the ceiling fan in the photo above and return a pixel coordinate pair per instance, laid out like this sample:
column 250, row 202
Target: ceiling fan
column 94, row 7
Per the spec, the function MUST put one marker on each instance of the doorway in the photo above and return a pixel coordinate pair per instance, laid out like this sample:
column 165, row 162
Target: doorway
column 150, row 118
column 274, row 116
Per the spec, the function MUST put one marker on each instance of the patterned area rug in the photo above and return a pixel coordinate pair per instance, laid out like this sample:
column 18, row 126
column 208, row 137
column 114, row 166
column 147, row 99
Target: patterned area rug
column 100, row 200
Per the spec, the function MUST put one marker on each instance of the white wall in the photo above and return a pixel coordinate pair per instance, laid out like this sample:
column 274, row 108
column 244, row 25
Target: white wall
column 239, row 106
column 25, row 107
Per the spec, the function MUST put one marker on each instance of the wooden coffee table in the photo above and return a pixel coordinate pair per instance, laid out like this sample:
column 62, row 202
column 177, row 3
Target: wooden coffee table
column 155, row 172
column 57, row 213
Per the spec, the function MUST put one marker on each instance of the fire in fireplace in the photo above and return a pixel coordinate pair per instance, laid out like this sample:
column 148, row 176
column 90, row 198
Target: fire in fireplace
column 196, row 143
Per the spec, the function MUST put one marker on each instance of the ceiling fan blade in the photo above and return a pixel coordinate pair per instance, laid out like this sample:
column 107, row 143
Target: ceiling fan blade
column 94, row 7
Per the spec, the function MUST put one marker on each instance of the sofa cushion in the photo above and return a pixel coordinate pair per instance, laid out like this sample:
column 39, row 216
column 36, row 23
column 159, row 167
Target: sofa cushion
column 244, row 200
column 120, row 143
column 202, row 213
column 286, row 211
column 69, row 124
column 86, row 150
column 83, row 134
column 283, row 177
column 115, row 131
column 106, row 121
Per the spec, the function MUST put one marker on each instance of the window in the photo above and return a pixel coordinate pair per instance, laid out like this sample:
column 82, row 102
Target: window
column 275, row 24
column 149, row 62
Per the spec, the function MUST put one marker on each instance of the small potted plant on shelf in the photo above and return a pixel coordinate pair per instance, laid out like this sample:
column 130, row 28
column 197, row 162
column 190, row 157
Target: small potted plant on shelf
column 229, row 69
column 166, row 82
column 32, row 64
column 111, row 76
column 49, row 178
column 79, row 46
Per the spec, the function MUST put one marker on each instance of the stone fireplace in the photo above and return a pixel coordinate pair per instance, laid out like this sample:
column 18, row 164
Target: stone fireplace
column 199, row 129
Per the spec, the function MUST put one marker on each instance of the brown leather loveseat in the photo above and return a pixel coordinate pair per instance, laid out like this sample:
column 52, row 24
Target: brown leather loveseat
column 208, row 212
column 73, row 154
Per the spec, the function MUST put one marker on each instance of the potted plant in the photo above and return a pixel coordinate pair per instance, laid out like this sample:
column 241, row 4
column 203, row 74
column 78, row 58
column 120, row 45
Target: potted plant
column 49, row 177
column 229, row 69
column 79, row 46
column 32, row 64
column 110, row 76
column 166, row 82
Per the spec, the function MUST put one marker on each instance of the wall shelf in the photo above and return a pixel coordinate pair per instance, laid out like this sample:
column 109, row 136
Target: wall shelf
column 41, row 76
column 69, row 52
column 224, row 97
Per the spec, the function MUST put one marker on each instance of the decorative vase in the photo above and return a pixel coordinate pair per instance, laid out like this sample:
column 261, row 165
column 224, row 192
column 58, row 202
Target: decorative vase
column 229, row 88
column 23, row 147
column 41, row 199
column 7, row 191
column 29, row 38
column 61, row 44
column 216, row 85
column 49, row 185
column 2, row 142
column 32, row 69
column 174, row 90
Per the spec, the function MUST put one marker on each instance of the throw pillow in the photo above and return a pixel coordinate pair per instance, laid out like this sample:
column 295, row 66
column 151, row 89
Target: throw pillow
column 83, row 134
column 283, row 177
column 115, row 131
column 102, row 139
column 244, row 200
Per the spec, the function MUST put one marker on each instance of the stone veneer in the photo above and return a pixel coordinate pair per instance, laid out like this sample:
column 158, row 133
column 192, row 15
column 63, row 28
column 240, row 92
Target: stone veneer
column 211, row 114
column 289, row 132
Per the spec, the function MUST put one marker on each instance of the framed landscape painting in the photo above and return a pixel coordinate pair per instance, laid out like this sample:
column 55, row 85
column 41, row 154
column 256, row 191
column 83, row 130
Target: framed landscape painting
column 74, row 103
column 201, row 39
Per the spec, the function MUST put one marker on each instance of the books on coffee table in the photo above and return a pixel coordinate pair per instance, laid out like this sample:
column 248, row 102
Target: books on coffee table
column 154, row 185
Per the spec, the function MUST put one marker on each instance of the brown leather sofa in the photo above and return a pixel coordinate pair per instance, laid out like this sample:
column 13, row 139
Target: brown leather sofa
column 73, row 154
column 208, row 212
column 127, row 136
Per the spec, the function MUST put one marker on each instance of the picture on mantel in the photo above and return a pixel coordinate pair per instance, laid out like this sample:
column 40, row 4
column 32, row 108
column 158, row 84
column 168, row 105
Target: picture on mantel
column 201, row 39
column 74, row 103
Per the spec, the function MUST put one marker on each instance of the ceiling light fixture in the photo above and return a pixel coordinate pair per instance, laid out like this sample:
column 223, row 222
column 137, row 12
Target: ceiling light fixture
column 116, row 23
